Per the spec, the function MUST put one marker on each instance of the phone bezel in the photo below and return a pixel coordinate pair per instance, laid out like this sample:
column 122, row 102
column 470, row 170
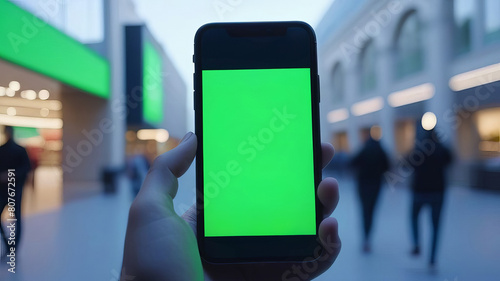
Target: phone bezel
column 256, row 248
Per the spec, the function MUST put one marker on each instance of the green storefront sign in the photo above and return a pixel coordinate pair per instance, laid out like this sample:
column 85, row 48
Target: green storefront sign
column 28, row 41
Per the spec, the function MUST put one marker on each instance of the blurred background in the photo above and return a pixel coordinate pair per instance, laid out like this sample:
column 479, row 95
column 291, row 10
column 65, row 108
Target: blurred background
column 96, row 89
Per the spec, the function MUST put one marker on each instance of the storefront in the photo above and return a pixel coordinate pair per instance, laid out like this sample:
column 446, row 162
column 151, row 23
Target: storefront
column 55, row 92
column 155, row 106
column 477, row 120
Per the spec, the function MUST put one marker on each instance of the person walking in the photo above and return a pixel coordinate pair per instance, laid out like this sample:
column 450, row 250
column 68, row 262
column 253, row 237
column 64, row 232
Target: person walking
column 370, row 164
column 14, row 158
column 137, row 169
column 431, row 158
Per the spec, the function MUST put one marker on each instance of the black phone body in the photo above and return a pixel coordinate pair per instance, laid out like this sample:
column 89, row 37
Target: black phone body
column 258, row 161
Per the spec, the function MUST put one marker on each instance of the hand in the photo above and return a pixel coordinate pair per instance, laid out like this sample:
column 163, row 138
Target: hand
column 160, row 245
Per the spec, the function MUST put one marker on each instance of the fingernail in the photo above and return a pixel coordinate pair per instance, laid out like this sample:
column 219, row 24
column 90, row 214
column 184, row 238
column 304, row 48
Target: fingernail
column 186, row 137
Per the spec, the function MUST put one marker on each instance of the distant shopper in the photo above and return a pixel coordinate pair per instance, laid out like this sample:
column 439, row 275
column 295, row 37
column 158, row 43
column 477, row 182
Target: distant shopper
column 429, row 160
column 370, row 164
column 13, row 157
column 137, row 169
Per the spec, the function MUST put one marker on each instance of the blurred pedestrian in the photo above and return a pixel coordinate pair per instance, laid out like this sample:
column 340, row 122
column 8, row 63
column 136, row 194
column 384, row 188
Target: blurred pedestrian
column 429, row 159
column 14, row 158
column 370, row 164
column 137, row 169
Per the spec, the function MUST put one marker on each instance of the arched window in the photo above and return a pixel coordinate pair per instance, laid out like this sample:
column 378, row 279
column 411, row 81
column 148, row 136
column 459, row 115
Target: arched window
column 338, row 82
column 409, row 53
column 463, row 11
column 368, row 65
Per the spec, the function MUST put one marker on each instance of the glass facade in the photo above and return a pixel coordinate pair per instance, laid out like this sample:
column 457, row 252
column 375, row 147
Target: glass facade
column 83, row 20
column 38, row 46
column 338, row 77
column 491, row 20
column 409, row 53
column 368, row 64
column 463, row 11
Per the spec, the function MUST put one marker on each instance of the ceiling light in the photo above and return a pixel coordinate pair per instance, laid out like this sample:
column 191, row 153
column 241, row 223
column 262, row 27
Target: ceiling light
column 429, row 121
column 338, row 115
column 160, row 135
column 411, row 95
column 30, row 94
column 33, row 122
column 367, row 106
column 14, row 85
column 476, row 77
column 43, row 94
column 18, row 102
column 9, row 92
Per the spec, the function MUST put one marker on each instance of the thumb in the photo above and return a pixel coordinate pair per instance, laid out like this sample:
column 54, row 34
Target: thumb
column 169, row 166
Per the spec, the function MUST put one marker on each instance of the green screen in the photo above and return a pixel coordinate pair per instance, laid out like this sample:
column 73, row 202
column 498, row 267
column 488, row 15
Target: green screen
column 152, row 84
column 258, row 152
column 32, row 43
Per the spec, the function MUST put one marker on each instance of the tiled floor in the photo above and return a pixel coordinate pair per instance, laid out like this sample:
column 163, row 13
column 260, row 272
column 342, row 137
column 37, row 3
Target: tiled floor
column 83, row 240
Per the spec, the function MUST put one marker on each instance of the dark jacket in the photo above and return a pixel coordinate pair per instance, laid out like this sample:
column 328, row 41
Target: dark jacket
column 370, row 163
column 429, row 172
column 14, row 156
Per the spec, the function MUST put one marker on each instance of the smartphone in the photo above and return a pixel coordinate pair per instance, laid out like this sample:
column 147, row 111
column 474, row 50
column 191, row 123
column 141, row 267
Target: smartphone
column 258, row 161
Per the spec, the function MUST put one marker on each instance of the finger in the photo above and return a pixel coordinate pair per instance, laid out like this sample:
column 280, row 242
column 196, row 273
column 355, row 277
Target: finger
column 330, row 240
column 179, row 159
column 328, row 194
column 327, row 152
column 162, row 177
